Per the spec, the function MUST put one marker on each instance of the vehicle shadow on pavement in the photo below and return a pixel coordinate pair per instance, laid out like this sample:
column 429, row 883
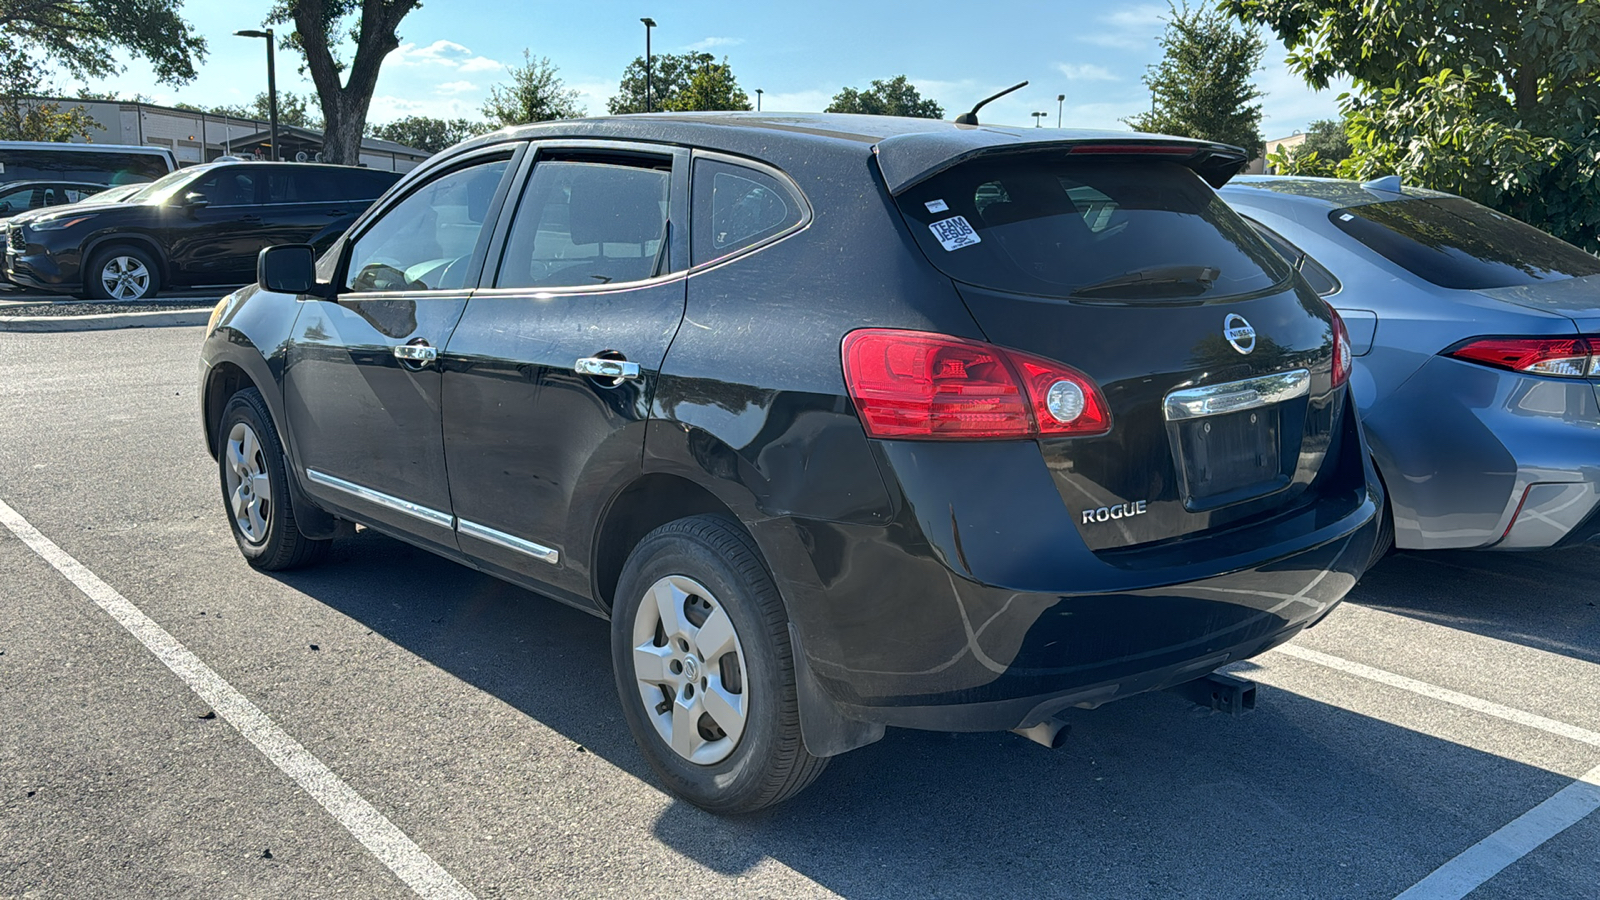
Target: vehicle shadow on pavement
column 1150, row 796
column 1545, row 600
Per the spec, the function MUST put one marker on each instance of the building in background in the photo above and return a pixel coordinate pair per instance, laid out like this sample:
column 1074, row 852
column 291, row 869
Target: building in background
column 196, row 137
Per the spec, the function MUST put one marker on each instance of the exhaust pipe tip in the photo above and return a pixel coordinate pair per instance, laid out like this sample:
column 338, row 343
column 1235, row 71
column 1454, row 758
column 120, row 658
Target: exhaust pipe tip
column 1051, row 733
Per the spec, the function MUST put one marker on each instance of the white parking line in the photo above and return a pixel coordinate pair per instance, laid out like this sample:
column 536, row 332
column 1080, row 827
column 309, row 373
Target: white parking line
column 1485, row 859
column 375, row 832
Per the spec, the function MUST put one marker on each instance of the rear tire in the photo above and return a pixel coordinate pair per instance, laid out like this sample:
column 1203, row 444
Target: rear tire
column 704, row 668
column 122, row 273
column 255, row 488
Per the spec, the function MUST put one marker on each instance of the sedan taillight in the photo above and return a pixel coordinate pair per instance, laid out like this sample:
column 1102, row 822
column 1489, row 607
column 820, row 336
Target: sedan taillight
column 1341, row 349
column 1561, row 357
column 914, row 385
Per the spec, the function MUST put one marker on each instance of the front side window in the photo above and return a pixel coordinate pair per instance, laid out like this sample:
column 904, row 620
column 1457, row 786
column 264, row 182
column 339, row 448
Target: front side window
column 1455, row 243
column 425, row 242
column 736, row 207
column 1119, row 231
column 584, row 224
column 227, row 187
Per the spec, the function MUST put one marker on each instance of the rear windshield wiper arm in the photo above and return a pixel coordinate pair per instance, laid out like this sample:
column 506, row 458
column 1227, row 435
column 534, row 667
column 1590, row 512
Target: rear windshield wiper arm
column 1197, row 275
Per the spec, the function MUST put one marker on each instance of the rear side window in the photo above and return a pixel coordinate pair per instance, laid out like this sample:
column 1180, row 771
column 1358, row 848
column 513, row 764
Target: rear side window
column 1320, row 279
column 102, row 166
column 1458, row 244
column 1101, row 230
column 584, row 224
column 737, row 207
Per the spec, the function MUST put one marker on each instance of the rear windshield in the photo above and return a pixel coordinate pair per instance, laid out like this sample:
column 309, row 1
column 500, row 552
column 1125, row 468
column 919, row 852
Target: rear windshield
column 1458, row 244
column 1104, row 230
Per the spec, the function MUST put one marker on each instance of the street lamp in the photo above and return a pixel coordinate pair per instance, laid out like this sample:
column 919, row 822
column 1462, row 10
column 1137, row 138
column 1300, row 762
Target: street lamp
column 272, row 84
column 1061, row 101
column 649, row 23
column 1037, row 116
column 758, row 99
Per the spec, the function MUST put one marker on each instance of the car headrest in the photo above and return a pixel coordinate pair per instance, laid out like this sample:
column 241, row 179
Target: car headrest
column 616, row 205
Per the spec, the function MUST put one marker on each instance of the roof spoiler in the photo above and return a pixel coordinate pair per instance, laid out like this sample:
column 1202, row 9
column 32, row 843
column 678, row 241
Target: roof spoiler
column 911, row 159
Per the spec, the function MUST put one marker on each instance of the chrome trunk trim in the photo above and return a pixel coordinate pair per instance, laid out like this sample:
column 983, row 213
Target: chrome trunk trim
column 1250, row 393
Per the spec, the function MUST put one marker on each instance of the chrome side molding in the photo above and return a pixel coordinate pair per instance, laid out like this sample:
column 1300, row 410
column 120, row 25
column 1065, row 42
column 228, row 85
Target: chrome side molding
column 431, row 516
column 510, row 542
column 1250, row 393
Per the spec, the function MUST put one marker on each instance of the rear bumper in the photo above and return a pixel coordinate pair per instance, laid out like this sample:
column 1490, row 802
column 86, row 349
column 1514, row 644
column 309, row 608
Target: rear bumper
column 949, row 620
column 1475, row 457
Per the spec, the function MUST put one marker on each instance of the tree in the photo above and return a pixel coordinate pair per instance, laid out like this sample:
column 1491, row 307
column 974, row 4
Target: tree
column 1202, row 87
column 293, row 109
column 672, row 74
column 895, row 97
column 1495, row 100
column 1320, row 154
column 25, row 117
column 318, row 26
column 535, row 94
column 711, row 86
column 429, row 134
column 83, row 36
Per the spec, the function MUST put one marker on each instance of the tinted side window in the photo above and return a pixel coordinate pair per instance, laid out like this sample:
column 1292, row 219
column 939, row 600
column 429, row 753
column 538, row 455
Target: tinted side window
column 1456, row 243
column 364, row 184
column 106, row 167
column 227, row 187
column 586, row 224
column 425, row 242
column 1320, row 279
column 735, row 207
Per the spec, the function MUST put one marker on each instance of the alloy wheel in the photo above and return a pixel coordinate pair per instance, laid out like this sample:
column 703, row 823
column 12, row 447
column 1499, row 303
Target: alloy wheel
column 249, row 487
column 125, row 278
column 690, row 670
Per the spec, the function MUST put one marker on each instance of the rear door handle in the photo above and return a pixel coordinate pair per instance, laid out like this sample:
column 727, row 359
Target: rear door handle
column 335, row 213
column 417, row 353
column 607, row 368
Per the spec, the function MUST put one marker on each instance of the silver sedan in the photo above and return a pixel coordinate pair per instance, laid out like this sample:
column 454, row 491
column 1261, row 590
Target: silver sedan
column 1477, row 350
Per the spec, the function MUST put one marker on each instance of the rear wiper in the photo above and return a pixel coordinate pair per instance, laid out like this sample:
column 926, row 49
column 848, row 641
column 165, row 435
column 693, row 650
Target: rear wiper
column 1201, row 276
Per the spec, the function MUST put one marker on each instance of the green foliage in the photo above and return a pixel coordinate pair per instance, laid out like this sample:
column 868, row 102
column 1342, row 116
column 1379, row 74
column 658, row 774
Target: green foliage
column 83, row 36
column 1327, row 139
column 706, row 83
column 535, row 94
column 1202, row 87
column 895, row 97
column 1324, row 148
column 1495, row 100
column 24, row 117
column 344, row 89
column 429, row 134
column 293, row 109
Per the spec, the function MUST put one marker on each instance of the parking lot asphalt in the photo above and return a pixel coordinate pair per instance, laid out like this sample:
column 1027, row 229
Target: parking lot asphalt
column 1395, row 747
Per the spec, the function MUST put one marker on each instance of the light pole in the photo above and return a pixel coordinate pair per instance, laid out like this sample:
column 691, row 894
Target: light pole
column 1037, row 116
column 272, row 85
column 1061, row 101
column 758, row 99
column 649, row 23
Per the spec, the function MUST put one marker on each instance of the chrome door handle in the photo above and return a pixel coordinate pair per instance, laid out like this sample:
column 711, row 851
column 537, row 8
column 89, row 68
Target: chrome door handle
column 607, row 368
column 418, row 353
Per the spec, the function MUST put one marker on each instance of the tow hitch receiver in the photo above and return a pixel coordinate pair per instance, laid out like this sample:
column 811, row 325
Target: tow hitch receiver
column 1220, row 692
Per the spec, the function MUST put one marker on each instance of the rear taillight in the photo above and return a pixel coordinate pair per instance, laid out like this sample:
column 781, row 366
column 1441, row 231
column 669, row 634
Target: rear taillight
column 1561, row 357
column 913, row 385
column 1341, row 349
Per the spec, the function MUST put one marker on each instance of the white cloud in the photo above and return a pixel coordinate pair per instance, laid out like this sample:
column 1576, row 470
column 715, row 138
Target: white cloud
column 1085, row 72
column 793, row 101
column 1129, row 28
column 1290, row 104
column 447, row 54
column 711, row 42
column 387, row 108
column 455, row 87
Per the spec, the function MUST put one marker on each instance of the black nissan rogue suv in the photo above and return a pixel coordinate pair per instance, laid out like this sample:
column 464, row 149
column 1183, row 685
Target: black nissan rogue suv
column 197, row 226
column 843, row 421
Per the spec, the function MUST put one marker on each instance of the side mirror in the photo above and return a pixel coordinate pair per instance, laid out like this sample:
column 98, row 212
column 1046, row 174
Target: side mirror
column 195, row 200
column 288, row 269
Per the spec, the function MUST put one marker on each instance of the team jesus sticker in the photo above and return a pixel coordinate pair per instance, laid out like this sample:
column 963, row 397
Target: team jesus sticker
column 954, row 233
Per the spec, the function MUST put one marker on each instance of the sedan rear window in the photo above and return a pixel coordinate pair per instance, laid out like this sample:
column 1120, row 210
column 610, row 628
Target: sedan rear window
column 1455, row 243
column 1101, row 230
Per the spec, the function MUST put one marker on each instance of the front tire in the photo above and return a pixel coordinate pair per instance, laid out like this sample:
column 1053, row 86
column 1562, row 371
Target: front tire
column 123, row 273
column 255, row 488
column 704, row 668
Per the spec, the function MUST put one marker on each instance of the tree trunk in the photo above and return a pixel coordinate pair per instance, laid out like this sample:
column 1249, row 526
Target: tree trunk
column 344, row 107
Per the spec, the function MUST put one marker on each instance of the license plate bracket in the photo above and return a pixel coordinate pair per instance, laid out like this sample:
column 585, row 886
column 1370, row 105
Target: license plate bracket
column 1229, row 457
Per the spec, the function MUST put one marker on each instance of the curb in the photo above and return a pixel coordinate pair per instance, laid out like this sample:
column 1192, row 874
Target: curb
column 106, row 321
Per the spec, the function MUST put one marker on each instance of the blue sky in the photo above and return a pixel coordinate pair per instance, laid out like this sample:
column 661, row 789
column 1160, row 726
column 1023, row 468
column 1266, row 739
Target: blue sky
column 800, row 55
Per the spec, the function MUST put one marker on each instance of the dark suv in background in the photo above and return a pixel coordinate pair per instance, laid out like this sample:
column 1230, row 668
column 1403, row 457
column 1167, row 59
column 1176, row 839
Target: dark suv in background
column 843, row 421
column 196, row 226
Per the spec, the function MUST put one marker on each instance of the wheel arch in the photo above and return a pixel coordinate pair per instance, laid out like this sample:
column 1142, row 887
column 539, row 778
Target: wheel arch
column 131, row 238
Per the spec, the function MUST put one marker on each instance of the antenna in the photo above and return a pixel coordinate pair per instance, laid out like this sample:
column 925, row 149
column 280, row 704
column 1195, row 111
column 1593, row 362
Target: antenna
column 971, row 118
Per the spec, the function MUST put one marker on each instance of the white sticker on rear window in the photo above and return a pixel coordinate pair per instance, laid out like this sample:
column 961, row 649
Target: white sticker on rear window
column 936, row 205
column 954, row 233
column 1346, row 217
